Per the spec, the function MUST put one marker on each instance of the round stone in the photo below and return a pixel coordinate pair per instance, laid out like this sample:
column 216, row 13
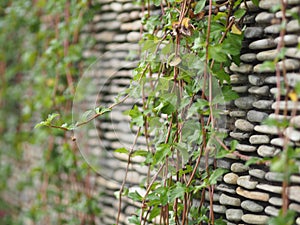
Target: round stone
column 245, row 102
column 257, row 173
column 273, row 80
column 239, row 168
column 272, row 211
column 230, row 178
column 256, row 116
column 275, row 201
column 225, row 188
column 293, row 26
column 264, row 17
column 248, row 57
column 239, row 135
column 292, row 134
column 267, row 151
column 227, row 200
column 294, row 193
column 295, row 207
column 259, row 139
column 293, row 52
column 289, row 64
column 273, row 176
column 237, row 114
column 133, row 36
column 268, row 4
column 251, row 206
column 234, row 214
column 245, row 148
column 255, row 219
column 262, row 44
column 264, row 90
column 256, row 80
column 295, row 179
column 244, row 125
column 263, row 104
column 270, row 188
column 289, row 39
column 242, row 68
column 253, row 32
column 273, row 130
column 244, row 181
column 116, row 6
column 254, row 195
column 293, row 78
column 219, row 209
column 273, row 29
column 267, row 55
column 289, row 105
column 238, row 79
column 280, row 142
column 295, row 121
column 249, row 6
column 240, row 89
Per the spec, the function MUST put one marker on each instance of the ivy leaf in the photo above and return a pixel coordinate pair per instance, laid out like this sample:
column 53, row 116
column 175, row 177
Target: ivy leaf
column 200, row 5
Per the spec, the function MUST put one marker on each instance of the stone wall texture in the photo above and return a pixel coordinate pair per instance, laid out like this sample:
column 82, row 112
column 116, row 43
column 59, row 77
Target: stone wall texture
column 246, row 194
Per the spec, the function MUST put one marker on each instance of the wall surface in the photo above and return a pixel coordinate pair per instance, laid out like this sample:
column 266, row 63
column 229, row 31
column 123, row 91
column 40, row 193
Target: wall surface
column 246, row 194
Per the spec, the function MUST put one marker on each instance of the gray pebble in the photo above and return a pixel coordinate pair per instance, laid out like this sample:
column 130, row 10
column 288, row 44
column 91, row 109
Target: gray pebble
column 267, row 151
column 253, row 32
column 264, row 90
column 248, row 57
column 256, row 80
column 252, row 206
column 259, row 139
column 234, row 214
column 239, row 168
column 262, row 44
column 244, row 125
column 227, row 200
column 244, row 181
column 257, row 173
column 256, row 116
column 245, row 102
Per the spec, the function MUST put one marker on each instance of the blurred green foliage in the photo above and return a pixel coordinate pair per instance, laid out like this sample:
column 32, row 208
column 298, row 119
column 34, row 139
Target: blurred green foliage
column 43, row 179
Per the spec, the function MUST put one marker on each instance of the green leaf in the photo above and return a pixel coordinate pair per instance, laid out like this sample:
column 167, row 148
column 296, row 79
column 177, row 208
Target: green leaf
column 135, row 196
column 101, row 110
column 177, row 191
column 239, row 13
column 161, row 152
column 122, row 150
column 199, row 6
column 253, row 160
column 216, row 174
column 217, row 53
column 255, row 2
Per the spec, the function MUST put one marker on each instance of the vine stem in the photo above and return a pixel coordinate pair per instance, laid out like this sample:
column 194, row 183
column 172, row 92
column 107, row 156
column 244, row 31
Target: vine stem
column 126, row 174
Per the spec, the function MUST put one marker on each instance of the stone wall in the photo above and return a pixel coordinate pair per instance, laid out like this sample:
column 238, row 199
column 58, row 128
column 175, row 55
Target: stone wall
column 246, row 194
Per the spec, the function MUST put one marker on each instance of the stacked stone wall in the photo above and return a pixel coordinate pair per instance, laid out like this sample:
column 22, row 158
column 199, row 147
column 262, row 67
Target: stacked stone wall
column 246, row 194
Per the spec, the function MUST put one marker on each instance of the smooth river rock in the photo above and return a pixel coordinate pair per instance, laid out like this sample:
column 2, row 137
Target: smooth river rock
column 251, row 206
column 255, row 219
column 254, row 195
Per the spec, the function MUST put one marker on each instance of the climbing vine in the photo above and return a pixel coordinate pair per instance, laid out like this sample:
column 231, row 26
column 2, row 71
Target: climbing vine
column 184, row 86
